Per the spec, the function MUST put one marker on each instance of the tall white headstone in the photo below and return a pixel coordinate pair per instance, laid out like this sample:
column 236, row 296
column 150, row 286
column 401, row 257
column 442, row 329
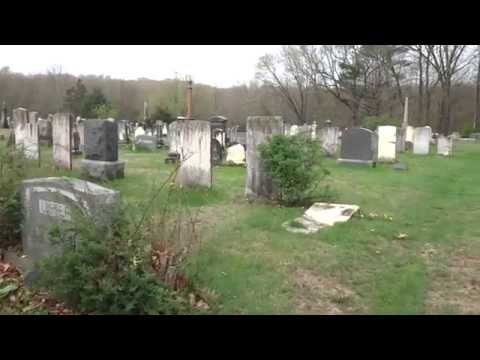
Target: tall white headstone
column 62, row 140
column 444, row 145
column 421, row 140
column 194, row 147
column 387, row 143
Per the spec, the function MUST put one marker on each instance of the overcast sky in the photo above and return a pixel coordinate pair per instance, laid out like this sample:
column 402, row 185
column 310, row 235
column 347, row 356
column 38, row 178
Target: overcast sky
column 218, row 65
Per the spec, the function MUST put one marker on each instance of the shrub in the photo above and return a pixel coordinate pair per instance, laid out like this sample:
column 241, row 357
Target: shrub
column 12, row 172
column 467, row 131
column 372, row 122
column 292, row 162
column 130, row 266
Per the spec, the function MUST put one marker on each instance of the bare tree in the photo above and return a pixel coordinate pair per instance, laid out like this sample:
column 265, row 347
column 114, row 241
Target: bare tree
column 448, row 61
column 285, row 74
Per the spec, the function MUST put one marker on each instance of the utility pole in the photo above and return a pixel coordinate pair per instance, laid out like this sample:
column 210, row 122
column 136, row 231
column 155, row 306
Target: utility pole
column 189, row 98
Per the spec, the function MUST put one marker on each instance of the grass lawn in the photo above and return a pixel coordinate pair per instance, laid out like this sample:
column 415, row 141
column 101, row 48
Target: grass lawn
column 358, row 267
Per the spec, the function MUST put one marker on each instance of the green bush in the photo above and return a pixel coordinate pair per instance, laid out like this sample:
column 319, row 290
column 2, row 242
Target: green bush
column 105, row 270
column 372, row 122
column 292, row 162
column 12, row 172
column 467, row 131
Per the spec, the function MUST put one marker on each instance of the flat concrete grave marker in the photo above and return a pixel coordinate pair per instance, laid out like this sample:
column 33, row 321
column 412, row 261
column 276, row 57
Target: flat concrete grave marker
column 358, row 147
column 421, row 140
column 321, row 215
column 387, row 143
column 259, row 130
column 194, row 140
column 146, row 142
column 62, row 140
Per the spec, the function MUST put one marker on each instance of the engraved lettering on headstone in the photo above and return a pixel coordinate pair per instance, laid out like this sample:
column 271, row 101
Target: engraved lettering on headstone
column 54, row 209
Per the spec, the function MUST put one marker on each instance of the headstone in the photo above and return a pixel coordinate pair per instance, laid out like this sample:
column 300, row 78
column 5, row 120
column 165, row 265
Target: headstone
column 122, row 131
column 475, row 136
column 101, row 151
column 401, row 143
column 236, row 154
column 319, row 216
column 259, row 130
column 30, row 142
column 45, row 132
column 387, row 143
column 139, row 131
column 400, row 166
column 359, row 146
column 53, row 201
column 81, row 134
column 455, row 135
column 146, row 142
column 193, row 143
column 62, row 140
column 172, row 137
column 20, row 120
column 409, row 134
column 444, row 145
column 4, row 117
column 421, row 140
column 314, row 130
column 329, row 137
column 293, row 130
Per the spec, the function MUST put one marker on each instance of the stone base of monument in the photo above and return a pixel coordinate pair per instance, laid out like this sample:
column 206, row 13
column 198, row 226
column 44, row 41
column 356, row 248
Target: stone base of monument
column 102, row 170
column 357, row 162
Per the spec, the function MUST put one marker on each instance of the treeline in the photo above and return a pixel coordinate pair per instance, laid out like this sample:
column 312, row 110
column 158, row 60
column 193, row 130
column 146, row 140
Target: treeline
column 347, row 84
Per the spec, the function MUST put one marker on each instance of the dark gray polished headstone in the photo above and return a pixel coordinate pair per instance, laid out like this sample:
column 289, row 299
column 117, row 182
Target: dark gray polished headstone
column 359, row 146
column 101, row 140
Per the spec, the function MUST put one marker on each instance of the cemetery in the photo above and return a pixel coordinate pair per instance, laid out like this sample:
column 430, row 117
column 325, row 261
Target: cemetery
column 203, row 216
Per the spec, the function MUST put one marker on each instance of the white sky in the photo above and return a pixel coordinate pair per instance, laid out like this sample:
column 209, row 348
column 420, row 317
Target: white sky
column 218, row 65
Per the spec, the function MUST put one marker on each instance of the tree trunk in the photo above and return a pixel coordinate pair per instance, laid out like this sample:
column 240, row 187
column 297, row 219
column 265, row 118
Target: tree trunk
column 420, row 89
column 428, row 91
column 444, row 126
column 476, row 124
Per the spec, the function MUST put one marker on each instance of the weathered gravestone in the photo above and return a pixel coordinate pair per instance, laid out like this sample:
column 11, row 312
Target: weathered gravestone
column 409, row 134
column 193, row 142
column 172, row 137
column 146, row 142
column 53, row 201
column 444, row 145
column 20, row 119
column 359, row 147
column 330, row 139
column 101, row 151
column 259, row 129
column 421, row 140
column 401, row 143
column 30, row 141
column 44, row 132
column 81, row 134
column 236, row 154
column 122, row 131
column 62, row 140
column 387, row 143
column 139, row 131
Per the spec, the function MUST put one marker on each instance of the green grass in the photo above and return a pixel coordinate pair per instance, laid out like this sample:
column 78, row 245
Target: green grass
column 252, row 262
